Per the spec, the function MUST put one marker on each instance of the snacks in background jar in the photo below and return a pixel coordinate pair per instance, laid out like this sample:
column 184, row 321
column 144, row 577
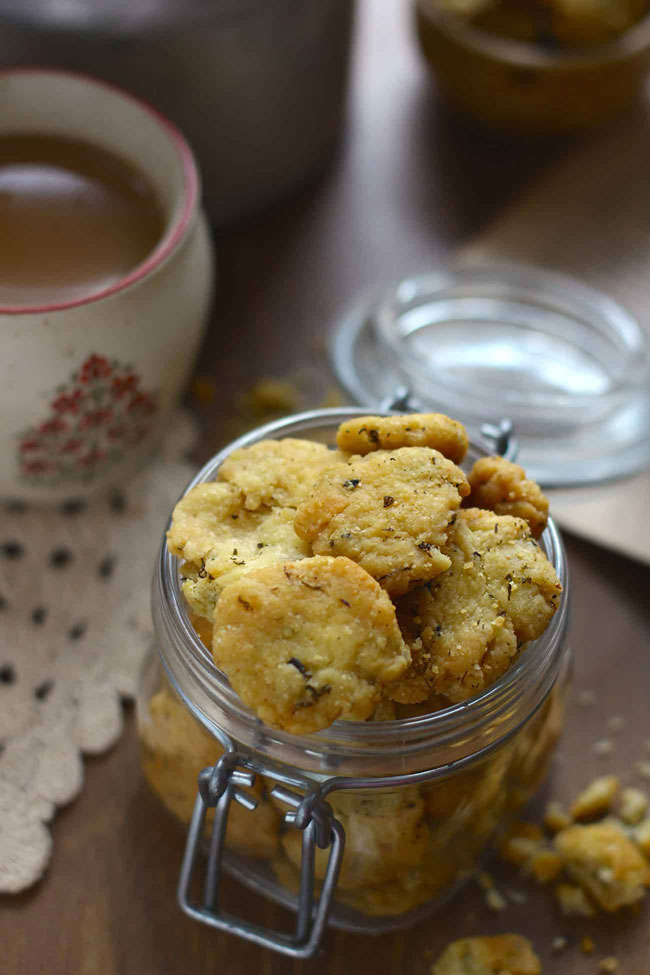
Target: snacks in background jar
column 569, row 23
column 537, row 67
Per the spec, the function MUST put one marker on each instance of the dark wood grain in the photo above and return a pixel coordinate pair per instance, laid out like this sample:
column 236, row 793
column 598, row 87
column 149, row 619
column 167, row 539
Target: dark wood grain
column 407, row 184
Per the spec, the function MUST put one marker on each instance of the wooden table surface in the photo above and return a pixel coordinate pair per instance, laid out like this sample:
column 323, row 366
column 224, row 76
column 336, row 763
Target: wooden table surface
column 406, row 186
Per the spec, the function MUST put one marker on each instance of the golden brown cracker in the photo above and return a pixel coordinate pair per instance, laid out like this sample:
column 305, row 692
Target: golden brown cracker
column 367, row 433
column 276, row 473
column 304, row 643
column 464, row 629
column 220, row 540
column 605, row 862
column 389, row 511
column 502, row 487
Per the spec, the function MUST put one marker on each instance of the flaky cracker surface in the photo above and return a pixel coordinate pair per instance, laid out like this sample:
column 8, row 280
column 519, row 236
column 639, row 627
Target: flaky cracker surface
column 276, row 472
column 502, row 487
column 305, row 643
column 220, row 540
column 465, row 628
column 389, row 511
column 367, row 433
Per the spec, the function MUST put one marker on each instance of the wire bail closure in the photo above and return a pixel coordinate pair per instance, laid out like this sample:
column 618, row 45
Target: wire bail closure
column 217, row 788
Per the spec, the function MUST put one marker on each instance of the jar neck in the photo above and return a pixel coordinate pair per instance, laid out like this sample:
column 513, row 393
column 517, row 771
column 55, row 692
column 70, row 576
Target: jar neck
column 350, row 748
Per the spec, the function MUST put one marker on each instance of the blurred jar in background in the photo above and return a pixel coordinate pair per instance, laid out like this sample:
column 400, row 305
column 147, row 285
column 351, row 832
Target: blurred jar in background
column 257, row 86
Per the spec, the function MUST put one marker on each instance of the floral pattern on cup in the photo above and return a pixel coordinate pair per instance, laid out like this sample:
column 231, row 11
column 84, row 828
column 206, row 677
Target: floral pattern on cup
column 95, row 419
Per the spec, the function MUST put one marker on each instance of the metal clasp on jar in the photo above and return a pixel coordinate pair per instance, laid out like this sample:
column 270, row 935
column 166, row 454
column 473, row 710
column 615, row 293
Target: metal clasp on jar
column 218, row 787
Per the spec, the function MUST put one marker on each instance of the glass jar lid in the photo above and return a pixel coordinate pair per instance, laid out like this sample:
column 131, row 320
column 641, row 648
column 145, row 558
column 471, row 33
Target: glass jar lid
column 567, row 364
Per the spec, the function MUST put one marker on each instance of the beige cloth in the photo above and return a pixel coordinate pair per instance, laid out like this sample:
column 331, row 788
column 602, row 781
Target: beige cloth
column 75, row 624
column 590, row 217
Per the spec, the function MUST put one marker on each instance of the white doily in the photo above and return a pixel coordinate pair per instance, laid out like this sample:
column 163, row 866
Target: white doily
column 74, row 627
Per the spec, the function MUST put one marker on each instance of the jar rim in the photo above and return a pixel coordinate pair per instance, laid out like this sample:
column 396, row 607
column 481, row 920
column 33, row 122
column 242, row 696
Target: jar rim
column 193, row 673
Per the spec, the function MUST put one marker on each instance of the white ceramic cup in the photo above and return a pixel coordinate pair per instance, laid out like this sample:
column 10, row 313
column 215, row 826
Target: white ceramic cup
column 88, row 385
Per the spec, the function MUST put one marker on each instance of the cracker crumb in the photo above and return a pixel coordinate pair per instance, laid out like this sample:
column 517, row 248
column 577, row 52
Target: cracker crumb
column 517, row 896
column 519, row 850
column 559, row 944
column 641, row 836
column 494, row 900
column 587, row 946
column 616, row 722
column 602, row 858
column 333, row 397
column 522, row 841
column 506, row 953
column 609, row 964
column 586, row 699
column 545, row 866
column 556, row 817
column 643, row 769
column 603, row 747
column 572, row 901
column 204, row 390
column 632, row 806
column 596, row 799
column 270, row 396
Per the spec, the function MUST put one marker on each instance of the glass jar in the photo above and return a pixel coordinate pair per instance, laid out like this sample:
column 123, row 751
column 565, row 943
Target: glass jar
column 521, row 86
column 399, row 812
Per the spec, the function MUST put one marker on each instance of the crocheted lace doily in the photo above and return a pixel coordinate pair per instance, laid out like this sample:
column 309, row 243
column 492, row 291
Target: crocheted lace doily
column 74, row 626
